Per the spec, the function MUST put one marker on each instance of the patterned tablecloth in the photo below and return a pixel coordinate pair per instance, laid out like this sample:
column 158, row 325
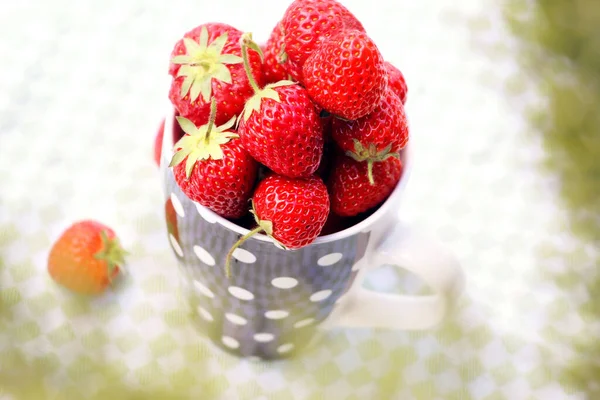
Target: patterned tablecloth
column 82, row 89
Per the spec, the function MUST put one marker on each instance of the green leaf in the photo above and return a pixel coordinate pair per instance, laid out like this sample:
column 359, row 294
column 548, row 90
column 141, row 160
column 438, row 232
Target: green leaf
column 354, row 156
column 269, row 93
column 189, row 164
column 385, row 151
column 187, row 126
column 182, row 59
column 219, row 43
column 191, row 47
column 186, row 70
column 222, row 73
column 206, row 89
column 186, row 85
column 195, row 89
column 253, row 104
column 203, row 41
column 227, row 125
column 239, row 118
column 267, row 227
column 214, row 150
column 283, row 82
column 188, row 141
column 178, row 157
column 201, row 152
column 230, row 59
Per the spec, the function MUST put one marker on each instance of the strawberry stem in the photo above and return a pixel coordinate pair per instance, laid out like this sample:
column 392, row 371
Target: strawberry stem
column 237, row 244
column 246, row 41
column 370, row 172
column 370, row 155
column 211, row 118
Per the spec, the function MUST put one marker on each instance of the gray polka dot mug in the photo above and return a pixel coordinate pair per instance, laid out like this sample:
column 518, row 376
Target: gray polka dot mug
column 277, row 299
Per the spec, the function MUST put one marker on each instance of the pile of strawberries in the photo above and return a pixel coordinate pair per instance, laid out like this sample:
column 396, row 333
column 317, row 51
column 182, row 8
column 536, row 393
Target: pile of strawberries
column 305, row 128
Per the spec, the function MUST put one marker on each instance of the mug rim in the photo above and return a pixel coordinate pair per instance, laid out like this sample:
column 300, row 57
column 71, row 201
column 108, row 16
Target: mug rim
column 363, row 226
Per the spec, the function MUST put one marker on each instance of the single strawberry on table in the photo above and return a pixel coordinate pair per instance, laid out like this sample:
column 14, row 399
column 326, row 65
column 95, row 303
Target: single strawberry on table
column 305, row 24
column 396, row 81
column 376, row 136
column 292, row 211
column 207, row 63
column 86, row 257
column 346, row 75
column 212, row 168
column 280, row 126
column 350, row 191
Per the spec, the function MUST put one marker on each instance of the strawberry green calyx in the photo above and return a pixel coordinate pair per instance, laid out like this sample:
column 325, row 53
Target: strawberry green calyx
column 201, row 63
column 254, row 102
column 264, row 226
column 202, row 143
column 111, row 252
column 371, row 156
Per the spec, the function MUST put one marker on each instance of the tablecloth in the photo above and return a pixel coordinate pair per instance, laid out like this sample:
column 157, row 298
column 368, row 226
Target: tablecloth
column 83, row 87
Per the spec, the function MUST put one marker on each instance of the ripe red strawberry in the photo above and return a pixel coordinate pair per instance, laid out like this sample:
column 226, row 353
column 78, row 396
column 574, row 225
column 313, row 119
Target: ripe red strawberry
column 396, row 81
column 273, row 68
column 86, row 257
column 158, row 141
column 280, row 128
column 376, row 136
column 350, row 191
column 346, row 75
column 306, row 23
column 291, row 211
column 212, row 168
column 207, row 62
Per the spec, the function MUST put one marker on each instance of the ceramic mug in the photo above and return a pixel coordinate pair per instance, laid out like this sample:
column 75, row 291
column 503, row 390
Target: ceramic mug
column 277, row 300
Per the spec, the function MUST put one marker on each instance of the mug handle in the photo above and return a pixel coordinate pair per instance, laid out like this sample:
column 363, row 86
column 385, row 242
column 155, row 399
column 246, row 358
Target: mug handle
column 426, row 258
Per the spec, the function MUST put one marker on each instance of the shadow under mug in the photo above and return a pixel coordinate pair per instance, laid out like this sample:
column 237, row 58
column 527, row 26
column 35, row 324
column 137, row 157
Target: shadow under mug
column 276, row 300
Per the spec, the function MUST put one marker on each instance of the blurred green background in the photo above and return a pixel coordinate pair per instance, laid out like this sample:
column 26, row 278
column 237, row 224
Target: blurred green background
column 560, row 55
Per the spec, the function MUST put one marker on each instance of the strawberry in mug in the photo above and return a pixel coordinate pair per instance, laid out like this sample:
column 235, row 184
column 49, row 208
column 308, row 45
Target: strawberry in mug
column 287, row 180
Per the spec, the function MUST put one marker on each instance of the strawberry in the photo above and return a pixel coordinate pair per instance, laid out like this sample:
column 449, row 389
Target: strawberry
column 349, row 188
column 376, row 136
column 212, row 168
column 396, row 81
column 86, row 257
column 280, row 126
column 292, row 211
column 158, row 140
column 207, row 63
column 306, row 23
column 273, row 68
column 346, row 75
